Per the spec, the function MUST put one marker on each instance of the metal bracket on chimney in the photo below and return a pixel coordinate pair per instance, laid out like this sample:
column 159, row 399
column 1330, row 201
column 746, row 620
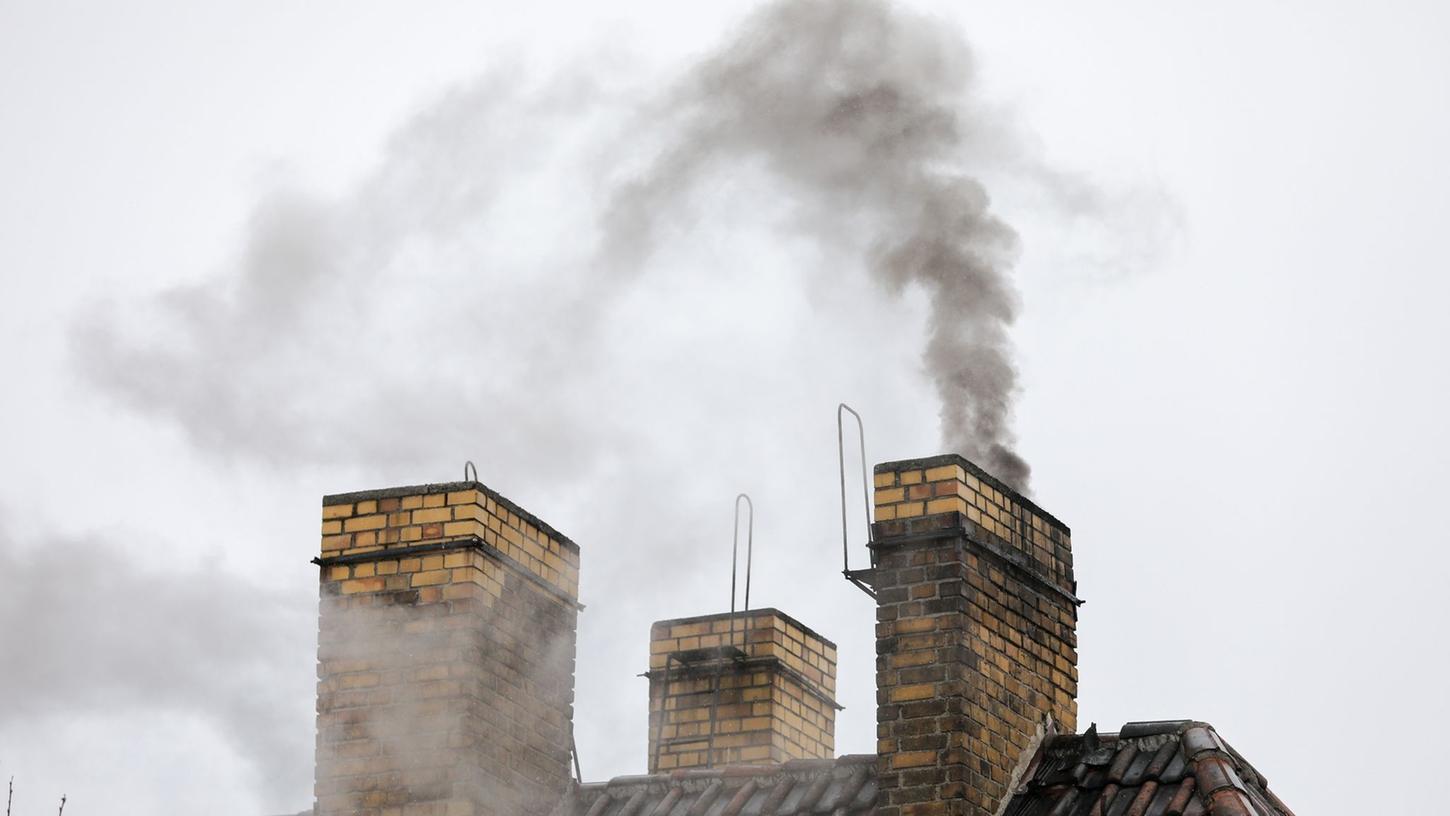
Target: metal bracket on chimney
column 749, row 556
column 854, row 576
column 574, row 752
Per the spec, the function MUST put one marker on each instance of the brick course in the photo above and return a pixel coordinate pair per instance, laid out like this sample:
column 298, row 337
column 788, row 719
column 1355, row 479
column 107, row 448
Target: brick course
column 445, row 655
column 976, row 635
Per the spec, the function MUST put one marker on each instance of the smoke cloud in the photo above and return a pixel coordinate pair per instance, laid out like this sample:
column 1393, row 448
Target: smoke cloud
column 859, row 117
column 90, row 634
column 863, row 114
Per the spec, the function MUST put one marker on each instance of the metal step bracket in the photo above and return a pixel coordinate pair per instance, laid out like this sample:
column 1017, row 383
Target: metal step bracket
column 854, row 576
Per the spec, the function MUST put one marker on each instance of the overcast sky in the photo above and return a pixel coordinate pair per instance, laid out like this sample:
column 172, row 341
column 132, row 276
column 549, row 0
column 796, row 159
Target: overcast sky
column 253, row 253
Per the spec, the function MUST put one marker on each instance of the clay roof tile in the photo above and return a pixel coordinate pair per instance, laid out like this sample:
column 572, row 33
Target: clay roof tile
column 1161, row 768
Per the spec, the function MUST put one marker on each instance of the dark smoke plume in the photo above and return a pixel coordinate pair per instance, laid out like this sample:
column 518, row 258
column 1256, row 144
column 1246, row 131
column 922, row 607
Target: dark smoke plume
column 863, row 113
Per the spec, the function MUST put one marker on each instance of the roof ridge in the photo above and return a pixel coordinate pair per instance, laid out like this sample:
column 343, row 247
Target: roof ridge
column 751, row 769
column 1148, row 768
column 846, row 783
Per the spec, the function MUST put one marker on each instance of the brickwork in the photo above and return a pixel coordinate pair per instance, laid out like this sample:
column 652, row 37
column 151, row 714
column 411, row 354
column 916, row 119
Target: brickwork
column 976, row 635
column 944, row 484
column 776, row 700
column 445, row 655
column 406, row 517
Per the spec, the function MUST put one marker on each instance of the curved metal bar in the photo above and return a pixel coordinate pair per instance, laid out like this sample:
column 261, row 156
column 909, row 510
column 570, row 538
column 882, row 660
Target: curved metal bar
column 735, row 557
column 841, row 460
column 749, row 545
column 469, row 467
column 841, row 411
column 574, row 751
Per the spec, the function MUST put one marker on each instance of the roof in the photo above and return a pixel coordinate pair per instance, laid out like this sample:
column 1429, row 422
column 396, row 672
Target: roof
column 1171, row 768
column 845, row 786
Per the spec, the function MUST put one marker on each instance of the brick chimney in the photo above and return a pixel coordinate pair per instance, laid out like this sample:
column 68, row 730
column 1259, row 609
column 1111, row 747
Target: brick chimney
column 769, row 690
column 976, row 635
column 445, row 654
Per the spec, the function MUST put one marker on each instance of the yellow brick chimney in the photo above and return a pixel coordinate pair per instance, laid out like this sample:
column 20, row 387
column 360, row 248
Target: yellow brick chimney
column 758, row 688
column 976, row 635
column 445, row 654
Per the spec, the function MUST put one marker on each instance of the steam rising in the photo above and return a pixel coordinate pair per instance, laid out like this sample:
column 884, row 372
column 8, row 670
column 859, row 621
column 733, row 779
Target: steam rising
column 862, row 114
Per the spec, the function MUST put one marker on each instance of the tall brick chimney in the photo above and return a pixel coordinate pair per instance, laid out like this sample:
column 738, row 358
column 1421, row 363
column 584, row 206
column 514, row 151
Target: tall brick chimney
column 976, row 635
column 445, row 654
column 767, row 684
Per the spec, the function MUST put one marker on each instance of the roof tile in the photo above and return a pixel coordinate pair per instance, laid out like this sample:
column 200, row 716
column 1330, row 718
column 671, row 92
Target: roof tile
column 1180, row 797
column 1169, row 768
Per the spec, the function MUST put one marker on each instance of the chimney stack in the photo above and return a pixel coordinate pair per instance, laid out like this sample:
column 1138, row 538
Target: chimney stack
column 976, row 635
column 766, row 692
column 445, row 654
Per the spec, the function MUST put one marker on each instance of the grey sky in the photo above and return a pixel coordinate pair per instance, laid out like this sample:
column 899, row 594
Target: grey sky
column 1231, row 279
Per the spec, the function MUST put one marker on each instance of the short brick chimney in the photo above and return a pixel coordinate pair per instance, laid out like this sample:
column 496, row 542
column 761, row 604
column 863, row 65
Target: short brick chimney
column 976, row 635
column 762, row 690
column 445, row 654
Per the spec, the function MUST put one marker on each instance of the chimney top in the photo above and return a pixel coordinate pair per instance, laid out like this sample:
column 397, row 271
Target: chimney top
column 941, row 495
column 743, row 620
column 723, row 691
column 444, row 488
column 946, row 460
